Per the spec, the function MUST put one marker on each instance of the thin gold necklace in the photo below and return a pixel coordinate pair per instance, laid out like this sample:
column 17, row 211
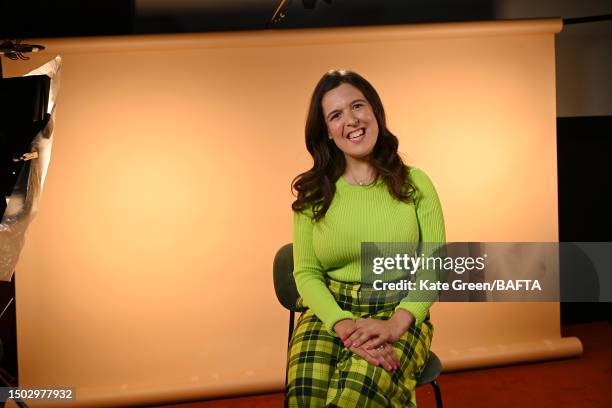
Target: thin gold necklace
column 362, row 182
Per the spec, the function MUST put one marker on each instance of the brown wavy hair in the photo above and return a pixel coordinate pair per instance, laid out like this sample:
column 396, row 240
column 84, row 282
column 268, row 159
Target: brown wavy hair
column 316, row 187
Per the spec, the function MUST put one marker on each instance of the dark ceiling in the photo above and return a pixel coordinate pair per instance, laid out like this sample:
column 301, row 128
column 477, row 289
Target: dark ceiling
column 67, row 18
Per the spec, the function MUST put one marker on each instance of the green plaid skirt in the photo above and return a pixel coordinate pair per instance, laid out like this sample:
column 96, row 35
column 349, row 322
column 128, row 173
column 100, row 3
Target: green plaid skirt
column 323, row 373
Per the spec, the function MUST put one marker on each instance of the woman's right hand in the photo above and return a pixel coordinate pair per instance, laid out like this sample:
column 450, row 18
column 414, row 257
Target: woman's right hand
column 385, row 356
column 344, row 328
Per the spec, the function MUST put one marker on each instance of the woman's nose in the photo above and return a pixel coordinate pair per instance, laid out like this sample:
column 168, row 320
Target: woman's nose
column 351, row 119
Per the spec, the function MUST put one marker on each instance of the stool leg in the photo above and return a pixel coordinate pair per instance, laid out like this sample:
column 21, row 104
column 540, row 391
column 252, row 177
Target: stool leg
column 291, row 324
column 437, row 393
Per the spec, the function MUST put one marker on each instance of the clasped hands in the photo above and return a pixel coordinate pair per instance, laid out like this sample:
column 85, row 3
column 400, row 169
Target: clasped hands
column 373, row 339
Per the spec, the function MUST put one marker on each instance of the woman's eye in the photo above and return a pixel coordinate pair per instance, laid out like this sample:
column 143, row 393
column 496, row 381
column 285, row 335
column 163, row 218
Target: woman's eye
column 357, row 105
column 334, row 116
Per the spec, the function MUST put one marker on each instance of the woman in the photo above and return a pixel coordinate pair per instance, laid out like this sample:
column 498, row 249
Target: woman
column 347, row 351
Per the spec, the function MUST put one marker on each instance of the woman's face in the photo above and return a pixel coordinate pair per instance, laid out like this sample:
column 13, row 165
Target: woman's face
column 350, row 121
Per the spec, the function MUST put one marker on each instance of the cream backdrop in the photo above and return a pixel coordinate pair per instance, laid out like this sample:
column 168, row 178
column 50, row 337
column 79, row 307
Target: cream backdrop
column 147, row 274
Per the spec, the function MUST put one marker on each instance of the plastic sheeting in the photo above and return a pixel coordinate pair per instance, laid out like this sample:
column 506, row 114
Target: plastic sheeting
column 21, row 208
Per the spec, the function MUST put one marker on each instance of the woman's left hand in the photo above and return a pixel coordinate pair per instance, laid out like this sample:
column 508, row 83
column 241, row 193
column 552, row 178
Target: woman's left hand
column 376, row 332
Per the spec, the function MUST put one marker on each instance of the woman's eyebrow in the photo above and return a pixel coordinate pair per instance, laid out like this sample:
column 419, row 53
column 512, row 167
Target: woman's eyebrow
column 338, row 110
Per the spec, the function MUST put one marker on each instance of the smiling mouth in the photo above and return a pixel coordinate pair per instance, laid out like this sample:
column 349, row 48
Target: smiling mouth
column 356, row 134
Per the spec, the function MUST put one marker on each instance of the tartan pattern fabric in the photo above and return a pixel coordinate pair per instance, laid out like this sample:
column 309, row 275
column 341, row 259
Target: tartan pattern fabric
column 323, row 373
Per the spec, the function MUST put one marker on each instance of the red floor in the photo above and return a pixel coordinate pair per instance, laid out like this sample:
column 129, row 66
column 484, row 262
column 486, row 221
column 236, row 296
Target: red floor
column 579, row 382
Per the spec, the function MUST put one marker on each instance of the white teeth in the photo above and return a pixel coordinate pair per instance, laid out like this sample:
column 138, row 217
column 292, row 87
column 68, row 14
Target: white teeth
column 356, row 133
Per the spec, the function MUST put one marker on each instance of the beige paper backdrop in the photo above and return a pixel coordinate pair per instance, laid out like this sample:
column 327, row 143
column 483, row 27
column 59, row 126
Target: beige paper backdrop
column 147, row 273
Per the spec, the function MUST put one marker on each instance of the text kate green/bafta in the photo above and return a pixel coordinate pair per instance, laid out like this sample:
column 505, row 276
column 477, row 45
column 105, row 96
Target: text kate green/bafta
column 496, row 285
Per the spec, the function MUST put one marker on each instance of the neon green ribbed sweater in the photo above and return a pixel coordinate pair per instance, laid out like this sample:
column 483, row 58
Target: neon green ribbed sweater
column 358, row 214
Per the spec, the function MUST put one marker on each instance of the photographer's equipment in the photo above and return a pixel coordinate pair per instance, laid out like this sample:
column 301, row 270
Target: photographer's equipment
column 26, row 127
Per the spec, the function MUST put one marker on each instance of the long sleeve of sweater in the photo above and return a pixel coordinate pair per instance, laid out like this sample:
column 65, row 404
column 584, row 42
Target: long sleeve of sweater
column 310, row 275
column 432, row 234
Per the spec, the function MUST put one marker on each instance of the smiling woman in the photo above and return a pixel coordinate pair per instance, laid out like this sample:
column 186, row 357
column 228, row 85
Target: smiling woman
column 346, row 351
